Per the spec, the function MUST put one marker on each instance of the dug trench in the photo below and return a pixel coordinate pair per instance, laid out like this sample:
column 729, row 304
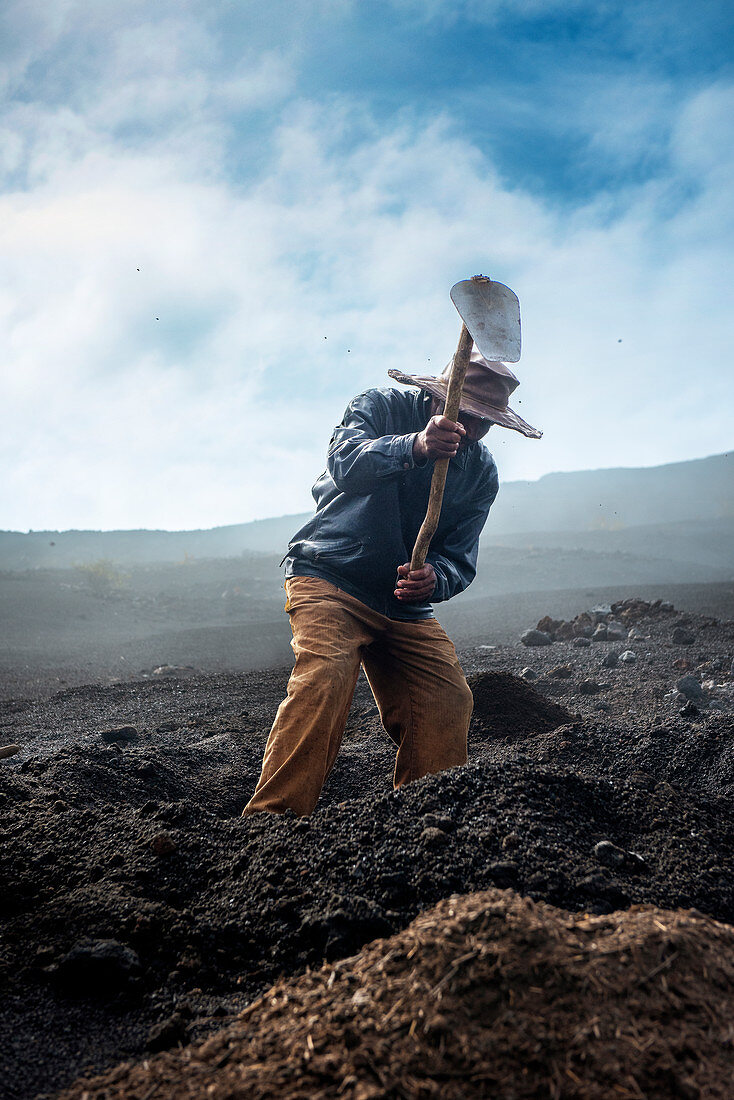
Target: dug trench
column 140, row 911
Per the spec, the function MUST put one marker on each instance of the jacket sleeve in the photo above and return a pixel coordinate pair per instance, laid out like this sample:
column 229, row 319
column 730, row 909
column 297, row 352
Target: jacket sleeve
column 362, row 453
column 454, row 558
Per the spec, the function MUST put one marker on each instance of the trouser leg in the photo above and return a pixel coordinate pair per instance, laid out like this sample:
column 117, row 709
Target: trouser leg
column 305, row 738
column 424, row 700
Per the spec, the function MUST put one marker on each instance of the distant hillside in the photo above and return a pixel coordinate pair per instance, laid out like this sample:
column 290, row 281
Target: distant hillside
column 589, row 503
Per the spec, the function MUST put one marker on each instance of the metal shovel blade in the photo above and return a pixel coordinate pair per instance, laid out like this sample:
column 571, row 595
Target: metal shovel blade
column 491, row 312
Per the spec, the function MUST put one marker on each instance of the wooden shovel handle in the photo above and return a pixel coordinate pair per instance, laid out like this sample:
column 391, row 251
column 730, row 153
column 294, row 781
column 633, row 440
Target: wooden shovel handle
column 440, row 469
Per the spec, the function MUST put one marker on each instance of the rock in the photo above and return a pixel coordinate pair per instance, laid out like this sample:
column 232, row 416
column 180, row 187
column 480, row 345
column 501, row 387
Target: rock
column 581, row 643
column 433, row 837
column 511, row 842
column 98, row 966
column 548, row 625
column 609, row 854
column 589, row 687
column 690, row 687
column 583, row 625
column 438, row 821
column 167, row 1033
column 683, row 637
column 682, row 664
column 601, row 611
column 504, row 871
column 600, row 634
column 535, row 638
column 628, row 657
column 561, row 672
column 8, row 750
column 616, row 632
column 611, row 659
column 163, row 845
column 119, row 735
column 529, row 674
column 689, row 710
column 564, row 632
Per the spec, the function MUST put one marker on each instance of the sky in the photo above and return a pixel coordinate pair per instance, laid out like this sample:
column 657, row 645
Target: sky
column 221, row 220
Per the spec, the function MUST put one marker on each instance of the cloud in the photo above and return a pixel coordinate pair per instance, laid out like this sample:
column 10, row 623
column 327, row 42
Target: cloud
column 201, row 267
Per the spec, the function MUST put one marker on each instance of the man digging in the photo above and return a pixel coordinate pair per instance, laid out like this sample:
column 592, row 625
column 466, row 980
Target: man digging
column 353, row 599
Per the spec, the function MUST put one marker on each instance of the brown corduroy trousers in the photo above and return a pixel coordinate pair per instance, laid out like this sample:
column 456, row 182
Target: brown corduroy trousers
column 424, row 700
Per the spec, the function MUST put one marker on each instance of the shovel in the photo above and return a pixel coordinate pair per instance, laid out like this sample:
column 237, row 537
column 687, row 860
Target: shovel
column 491, row 315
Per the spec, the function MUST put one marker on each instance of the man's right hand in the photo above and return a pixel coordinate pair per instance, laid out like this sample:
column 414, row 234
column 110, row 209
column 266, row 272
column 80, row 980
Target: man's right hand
column 439, row 439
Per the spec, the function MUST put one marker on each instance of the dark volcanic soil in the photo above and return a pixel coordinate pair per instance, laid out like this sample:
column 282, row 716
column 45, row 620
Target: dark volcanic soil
column 139, row 910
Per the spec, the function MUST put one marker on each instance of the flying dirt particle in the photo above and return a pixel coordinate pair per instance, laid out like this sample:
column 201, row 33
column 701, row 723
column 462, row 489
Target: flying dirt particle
column 619, row 341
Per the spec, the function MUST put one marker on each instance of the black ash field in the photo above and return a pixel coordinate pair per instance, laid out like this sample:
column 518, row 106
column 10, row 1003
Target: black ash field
column 140, row 912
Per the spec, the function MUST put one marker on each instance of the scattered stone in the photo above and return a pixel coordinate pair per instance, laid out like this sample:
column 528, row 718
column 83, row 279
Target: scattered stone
column 433, row 836
column 163, row 845
column 589, row 687
column 548, row 625
column 628, row 657
column 529, row 674
column 535, row 638
column 611, row 659
column 561, row 672
column 98, row 966
column 689, row 710
column 609, row 854
column 683, row 637
column 8, row 750
column 119, row 735
column 167, row 1033
column 690, row 687
column 582, row 643
column 601, row 611
column 438, row 821
column 511, row 842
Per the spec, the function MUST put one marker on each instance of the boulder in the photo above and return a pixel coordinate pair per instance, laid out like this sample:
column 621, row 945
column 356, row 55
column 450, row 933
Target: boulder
column 535, row 638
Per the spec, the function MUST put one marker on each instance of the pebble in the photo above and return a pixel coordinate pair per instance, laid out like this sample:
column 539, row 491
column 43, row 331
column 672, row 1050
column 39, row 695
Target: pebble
column 581, row 643
column 689, row 710
column 611, row 660
column 589, row 687
column 99, row 965
column 8, row 750
column 535, row 638
column 163, row 845
column 124, row 734
column 167, row 1033
column 690, row 687
column 529, row 674
column 433, row 836
column 628, row 657
column 683, row 637
column 609, row 854
column 561, row 672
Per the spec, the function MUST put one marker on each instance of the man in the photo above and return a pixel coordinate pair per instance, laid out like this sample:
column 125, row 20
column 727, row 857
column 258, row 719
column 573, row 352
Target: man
column 352, row 599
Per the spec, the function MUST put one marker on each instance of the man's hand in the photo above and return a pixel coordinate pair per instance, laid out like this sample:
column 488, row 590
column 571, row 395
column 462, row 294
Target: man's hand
column 439, row 439
column 415, row 586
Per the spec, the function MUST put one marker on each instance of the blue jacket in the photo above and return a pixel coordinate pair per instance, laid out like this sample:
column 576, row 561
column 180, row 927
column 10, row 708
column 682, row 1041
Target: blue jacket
column 371, row 501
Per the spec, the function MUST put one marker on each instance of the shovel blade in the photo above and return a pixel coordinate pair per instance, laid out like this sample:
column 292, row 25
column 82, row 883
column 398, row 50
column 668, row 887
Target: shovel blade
column 491, row 312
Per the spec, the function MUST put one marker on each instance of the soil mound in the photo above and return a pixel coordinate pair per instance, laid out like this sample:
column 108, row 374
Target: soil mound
column 506, row 706
column 487, row 995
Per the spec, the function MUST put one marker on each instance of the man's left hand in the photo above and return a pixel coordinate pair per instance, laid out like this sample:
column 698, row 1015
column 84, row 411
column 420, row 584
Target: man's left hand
column 418, row 585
